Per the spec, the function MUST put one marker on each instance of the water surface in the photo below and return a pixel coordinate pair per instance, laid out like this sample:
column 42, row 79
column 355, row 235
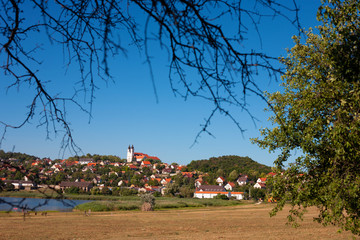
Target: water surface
column 37, row 204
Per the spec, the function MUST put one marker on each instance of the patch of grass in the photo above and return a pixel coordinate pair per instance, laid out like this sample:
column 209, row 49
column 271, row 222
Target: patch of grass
column 100, row 206
column 161, row 203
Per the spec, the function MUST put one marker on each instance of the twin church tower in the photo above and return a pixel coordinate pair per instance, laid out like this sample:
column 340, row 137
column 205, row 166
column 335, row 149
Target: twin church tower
column 130, row 154
column 137, row 157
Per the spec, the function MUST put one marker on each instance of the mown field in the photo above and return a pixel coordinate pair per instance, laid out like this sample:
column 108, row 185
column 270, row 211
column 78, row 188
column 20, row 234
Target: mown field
column 233, row 222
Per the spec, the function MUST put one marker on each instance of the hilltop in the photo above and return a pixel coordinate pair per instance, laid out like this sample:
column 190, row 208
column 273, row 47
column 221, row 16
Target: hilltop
column 227, row 164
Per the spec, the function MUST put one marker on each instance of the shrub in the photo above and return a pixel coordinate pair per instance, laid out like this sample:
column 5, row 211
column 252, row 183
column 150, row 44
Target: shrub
column 221, row 196
column 148, row 202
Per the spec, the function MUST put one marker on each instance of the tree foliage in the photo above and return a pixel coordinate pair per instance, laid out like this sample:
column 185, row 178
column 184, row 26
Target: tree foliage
column 20, row 156
column 228, row 164
column 318, row 115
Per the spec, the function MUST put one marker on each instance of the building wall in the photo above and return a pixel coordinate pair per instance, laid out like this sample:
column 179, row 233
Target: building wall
column 197, row 194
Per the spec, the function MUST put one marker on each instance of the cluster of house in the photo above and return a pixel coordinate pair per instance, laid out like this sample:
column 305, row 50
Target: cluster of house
column 223, row 188
column 160, row 173
column 226, row 188
column 45, row 168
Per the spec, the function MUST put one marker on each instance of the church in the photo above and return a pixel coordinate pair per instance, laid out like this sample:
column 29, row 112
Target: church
column 133, row 156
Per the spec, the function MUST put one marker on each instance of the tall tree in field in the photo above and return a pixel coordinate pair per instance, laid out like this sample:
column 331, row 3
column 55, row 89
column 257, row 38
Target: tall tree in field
column 318, row 115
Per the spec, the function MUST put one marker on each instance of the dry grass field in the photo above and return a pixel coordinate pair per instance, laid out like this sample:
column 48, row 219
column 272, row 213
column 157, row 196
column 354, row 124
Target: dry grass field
column 236, row 222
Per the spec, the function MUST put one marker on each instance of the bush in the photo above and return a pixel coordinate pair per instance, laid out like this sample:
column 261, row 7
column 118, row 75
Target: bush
column 128, row 192
column 106, row 191
column 72, row 190
column 186, row 192
column 9, row 187
column 148, row 202
column 95, row 191
column 157, row 194
column 221, row 196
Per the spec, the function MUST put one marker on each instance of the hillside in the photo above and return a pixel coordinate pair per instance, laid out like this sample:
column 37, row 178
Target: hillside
column 16, row 155
column 244, row 165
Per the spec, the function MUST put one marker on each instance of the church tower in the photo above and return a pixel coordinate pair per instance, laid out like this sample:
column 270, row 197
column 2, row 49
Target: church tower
column 130, row 154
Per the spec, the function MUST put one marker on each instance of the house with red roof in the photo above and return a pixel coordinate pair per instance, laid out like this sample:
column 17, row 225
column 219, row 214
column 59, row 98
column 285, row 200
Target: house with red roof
column 261, row 180
column 220, row 181
column 133, row 167
column 260, row 185
column 229, row 186
column 198, row 182
column 145, row 164
column 187, row 174
column 242, row 180
column 165, row 181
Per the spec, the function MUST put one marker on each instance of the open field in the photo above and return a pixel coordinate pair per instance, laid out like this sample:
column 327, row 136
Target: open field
column 234, row 222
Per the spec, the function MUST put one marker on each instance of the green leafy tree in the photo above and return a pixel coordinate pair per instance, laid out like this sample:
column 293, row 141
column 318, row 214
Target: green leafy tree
column 319, row 113
column 60, row 176
column 233, row 176
column 221, row 196
column 220, row 173
column 172, row 189
column 9, row 187
column 19, row 175
column 105, row 191
column 257, row 193
column 72, row 190
column 186, row 192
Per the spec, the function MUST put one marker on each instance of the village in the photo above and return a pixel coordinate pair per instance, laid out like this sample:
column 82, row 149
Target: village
column 138, row 173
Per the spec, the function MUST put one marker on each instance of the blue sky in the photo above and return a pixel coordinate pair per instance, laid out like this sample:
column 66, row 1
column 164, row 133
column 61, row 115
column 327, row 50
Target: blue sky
column 125, row 111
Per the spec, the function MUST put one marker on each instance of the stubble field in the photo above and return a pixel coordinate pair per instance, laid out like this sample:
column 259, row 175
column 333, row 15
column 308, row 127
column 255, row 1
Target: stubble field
column 235, row 222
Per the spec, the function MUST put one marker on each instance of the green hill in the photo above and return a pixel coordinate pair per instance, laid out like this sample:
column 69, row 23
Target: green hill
column 16, row 155
column 244, row 165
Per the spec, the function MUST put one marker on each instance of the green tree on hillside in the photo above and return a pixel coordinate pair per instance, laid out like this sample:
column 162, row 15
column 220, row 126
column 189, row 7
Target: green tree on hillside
column 233, row 176
column 227, row 164
column 319, row 114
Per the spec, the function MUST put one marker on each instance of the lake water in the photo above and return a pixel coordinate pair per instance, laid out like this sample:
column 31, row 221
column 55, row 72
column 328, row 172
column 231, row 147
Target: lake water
column 37, row 204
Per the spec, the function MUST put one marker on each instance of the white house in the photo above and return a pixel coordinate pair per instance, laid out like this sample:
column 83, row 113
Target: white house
column 243, row 180
column 220, row 181
column 229, row 186
column 85, row 160
column 261, row 180
column 260, row 185
column 212, row 194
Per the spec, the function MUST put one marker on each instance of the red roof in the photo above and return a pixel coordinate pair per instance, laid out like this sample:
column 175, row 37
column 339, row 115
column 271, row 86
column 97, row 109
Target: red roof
column 146, row 163
column 231, row 184
column 188, row 174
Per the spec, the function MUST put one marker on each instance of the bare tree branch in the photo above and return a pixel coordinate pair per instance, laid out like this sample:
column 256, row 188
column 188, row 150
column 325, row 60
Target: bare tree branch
column 194, row 34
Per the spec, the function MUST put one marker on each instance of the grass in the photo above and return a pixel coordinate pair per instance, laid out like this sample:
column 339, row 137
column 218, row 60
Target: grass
column 131, row 203
column 115, row 203
column 232, row 222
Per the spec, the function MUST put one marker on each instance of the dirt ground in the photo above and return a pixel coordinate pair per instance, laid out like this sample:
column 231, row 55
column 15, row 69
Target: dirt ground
column 240, row 222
